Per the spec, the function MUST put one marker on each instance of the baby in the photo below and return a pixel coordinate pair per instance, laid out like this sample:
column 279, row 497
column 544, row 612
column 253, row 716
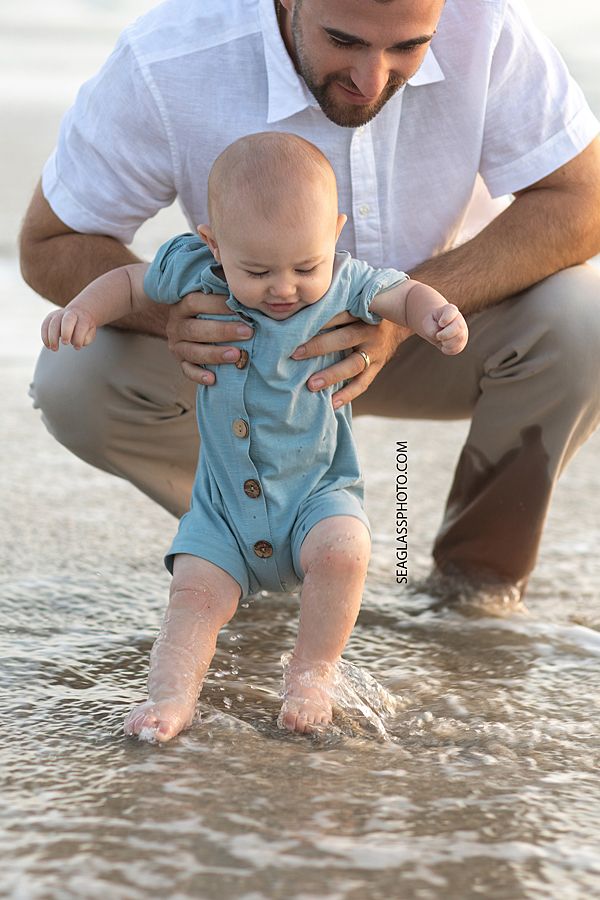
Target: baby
column 277, row 499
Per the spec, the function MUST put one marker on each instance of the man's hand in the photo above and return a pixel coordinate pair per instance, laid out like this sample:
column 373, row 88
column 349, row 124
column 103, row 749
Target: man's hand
column 379, row 342
column 198, row 342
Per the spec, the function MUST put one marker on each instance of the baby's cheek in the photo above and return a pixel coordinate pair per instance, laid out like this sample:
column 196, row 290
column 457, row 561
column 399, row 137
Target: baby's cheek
column 317, row 290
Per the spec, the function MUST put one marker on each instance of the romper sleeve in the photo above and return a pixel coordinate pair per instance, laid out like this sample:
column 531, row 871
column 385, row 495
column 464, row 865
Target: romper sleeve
column 364, row 283
column 182, row 265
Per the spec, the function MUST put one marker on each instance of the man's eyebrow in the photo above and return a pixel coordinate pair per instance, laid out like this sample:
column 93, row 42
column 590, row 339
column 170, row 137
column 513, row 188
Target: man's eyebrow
column 354, row 39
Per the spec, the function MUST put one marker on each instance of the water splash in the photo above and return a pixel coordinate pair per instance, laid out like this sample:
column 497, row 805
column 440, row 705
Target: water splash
column 359, row 700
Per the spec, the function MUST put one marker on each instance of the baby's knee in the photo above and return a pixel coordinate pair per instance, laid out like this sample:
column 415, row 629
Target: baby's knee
column 203, row 587
column 340, row 544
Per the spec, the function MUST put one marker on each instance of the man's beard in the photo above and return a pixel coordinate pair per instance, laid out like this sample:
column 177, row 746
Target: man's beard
column 348, row 115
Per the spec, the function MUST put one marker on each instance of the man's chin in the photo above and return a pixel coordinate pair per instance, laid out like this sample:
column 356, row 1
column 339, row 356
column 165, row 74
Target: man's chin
column 351, row 115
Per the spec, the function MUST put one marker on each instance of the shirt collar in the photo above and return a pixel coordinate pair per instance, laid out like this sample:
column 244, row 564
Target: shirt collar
column 428, row 72
column 288, row 93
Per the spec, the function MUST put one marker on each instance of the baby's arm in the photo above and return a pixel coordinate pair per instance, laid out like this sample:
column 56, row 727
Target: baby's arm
column 108, row 298
column 422, row 309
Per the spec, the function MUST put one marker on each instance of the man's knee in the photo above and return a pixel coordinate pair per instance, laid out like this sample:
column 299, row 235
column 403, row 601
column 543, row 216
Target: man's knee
column 68, row 388
column 566, row 308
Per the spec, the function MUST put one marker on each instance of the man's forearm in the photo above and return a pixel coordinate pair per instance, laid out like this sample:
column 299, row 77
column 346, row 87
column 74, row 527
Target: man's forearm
column 546, row 229
column 59, row 267
column 69, row 262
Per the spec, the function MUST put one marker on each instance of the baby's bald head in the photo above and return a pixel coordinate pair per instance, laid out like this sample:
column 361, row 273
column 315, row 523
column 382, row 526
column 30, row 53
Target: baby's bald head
column 274, row 222
column 273, row 176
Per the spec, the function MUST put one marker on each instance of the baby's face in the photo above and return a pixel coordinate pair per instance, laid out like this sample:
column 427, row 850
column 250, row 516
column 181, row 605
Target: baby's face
column 278, row 267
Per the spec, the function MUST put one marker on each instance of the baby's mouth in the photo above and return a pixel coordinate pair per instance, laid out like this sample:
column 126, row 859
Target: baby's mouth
column 281, row 304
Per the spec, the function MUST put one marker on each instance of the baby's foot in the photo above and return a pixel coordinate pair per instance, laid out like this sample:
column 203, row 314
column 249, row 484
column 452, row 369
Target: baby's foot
column 160, row 721
column 307, row 696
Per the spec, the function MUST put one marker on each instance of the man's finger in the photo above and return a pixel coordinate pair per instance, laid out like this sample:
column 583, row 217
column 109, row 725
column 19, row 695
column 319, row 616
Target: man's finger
column 350, row 367
column 197, row 302
column 353, row 389
column 207, row 330
column 340, row 339
column 197, row 374
column 205, row 354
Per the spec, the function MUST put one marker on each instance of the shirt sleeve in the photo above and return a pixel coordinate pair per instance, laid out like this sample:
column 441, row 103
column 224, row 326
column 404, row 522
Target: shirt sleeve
column 537, row 118
column 178, row 269
column 113, row 166
column 364, row 283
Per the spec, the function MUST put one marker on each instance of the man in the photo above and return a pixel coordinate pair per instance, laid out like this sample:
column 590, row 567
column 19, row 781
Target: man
column 415, row 103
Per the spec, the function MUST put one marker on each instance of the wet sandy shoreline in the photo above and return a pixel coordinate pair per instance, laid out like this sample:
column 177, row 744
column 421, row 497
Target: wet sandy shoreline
column 487, row 785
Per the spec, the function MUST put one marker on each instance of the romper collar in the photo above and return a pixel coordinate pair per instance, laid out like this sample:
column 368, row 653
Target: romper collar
column 287, row 91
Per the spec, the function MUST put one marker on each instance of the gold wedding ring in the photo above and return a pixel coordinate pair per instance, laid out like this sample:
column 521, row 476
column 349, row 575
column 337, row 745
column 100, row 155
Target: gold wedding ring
column 365, row 356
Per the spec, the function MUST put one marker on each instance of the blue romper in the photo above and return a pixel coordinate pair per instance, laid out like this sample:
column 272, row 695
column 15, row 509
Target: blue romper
column 275, row 458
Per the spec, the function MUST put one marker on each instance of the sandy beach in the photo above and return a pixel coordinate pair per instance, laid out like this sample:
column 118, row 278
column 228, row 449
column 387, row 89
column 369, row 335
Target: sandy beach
column 486, row 783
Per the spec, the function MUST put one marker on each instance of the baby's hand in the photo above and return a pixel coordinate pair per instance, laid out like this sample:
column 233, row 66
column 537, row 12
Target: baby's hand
column 68, row 326
column 446, row 327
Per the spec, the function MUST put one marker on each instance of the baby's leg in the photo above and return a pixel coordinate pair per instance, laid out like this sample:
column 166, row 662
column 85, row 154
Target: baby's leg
column 334, row 556
column 203, row 598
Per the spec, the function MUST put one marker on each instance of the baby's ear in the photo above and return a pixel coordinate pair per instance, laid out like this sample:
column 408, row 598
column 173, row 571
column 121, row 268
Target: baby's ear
column 207, row 235
column 341, row 221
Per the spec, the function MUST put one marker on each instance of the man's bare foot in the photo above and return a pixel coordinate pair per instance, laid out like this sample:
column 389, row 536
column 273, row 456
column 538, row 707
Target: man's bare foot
column 307, row 695
column 159, row 722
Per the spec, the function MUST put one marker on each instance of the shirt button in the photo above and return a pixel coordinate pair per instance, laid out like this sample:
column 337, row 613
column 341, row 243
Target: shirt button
column 240, row 428
column 252, row 488
column 263, row 549
column 243, row 360
column 360, row 129
column 364, row 209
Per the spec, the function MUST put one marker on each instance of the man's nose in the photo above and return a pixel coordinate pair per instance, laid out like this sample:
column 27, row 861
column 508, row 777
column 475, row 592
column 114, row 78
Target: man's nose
column 371, row 76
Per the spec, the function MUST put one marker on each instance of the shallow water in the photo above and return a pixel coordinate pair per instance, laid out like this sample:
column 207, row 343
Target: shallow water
column 485, row 782
column 482, row 783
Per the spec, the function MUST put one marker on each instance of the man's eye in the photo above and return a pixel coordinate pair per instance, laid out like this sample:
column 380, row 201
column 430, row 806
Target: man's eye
column 338, row 43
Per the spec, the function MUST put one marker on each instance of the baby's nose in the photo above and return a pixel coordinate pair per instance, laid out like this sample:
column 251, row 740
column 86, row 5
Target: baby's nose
column 283, row 289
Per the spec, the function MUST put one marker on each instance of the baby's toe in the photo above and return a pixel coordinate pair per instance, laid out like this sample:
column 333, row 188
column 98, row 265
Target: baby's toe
column 302, row 717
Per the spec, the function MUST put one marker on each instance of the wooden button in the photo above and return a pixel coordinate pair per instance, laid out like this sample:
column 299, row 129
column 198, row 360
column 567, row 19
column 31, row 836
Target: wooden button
column 240, row 428
column 243, row 360
column 263, row 549
column 252, row 488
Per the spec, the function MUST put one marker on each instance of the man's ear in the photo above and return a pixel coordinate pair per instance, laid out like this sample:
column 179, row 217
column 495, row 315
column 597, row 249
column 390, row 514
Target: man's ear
column 207, row 235
column 341, row 221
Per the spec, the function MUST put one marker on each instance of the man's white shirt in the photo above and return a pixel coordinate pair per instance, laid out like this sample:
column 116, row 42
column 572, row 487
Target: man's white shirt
column 492, row 104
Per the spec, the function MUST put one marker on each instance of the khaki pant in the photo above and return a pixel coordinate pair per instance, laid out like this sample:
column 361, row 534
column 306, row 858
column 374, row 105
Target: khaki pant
column 529, row 380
